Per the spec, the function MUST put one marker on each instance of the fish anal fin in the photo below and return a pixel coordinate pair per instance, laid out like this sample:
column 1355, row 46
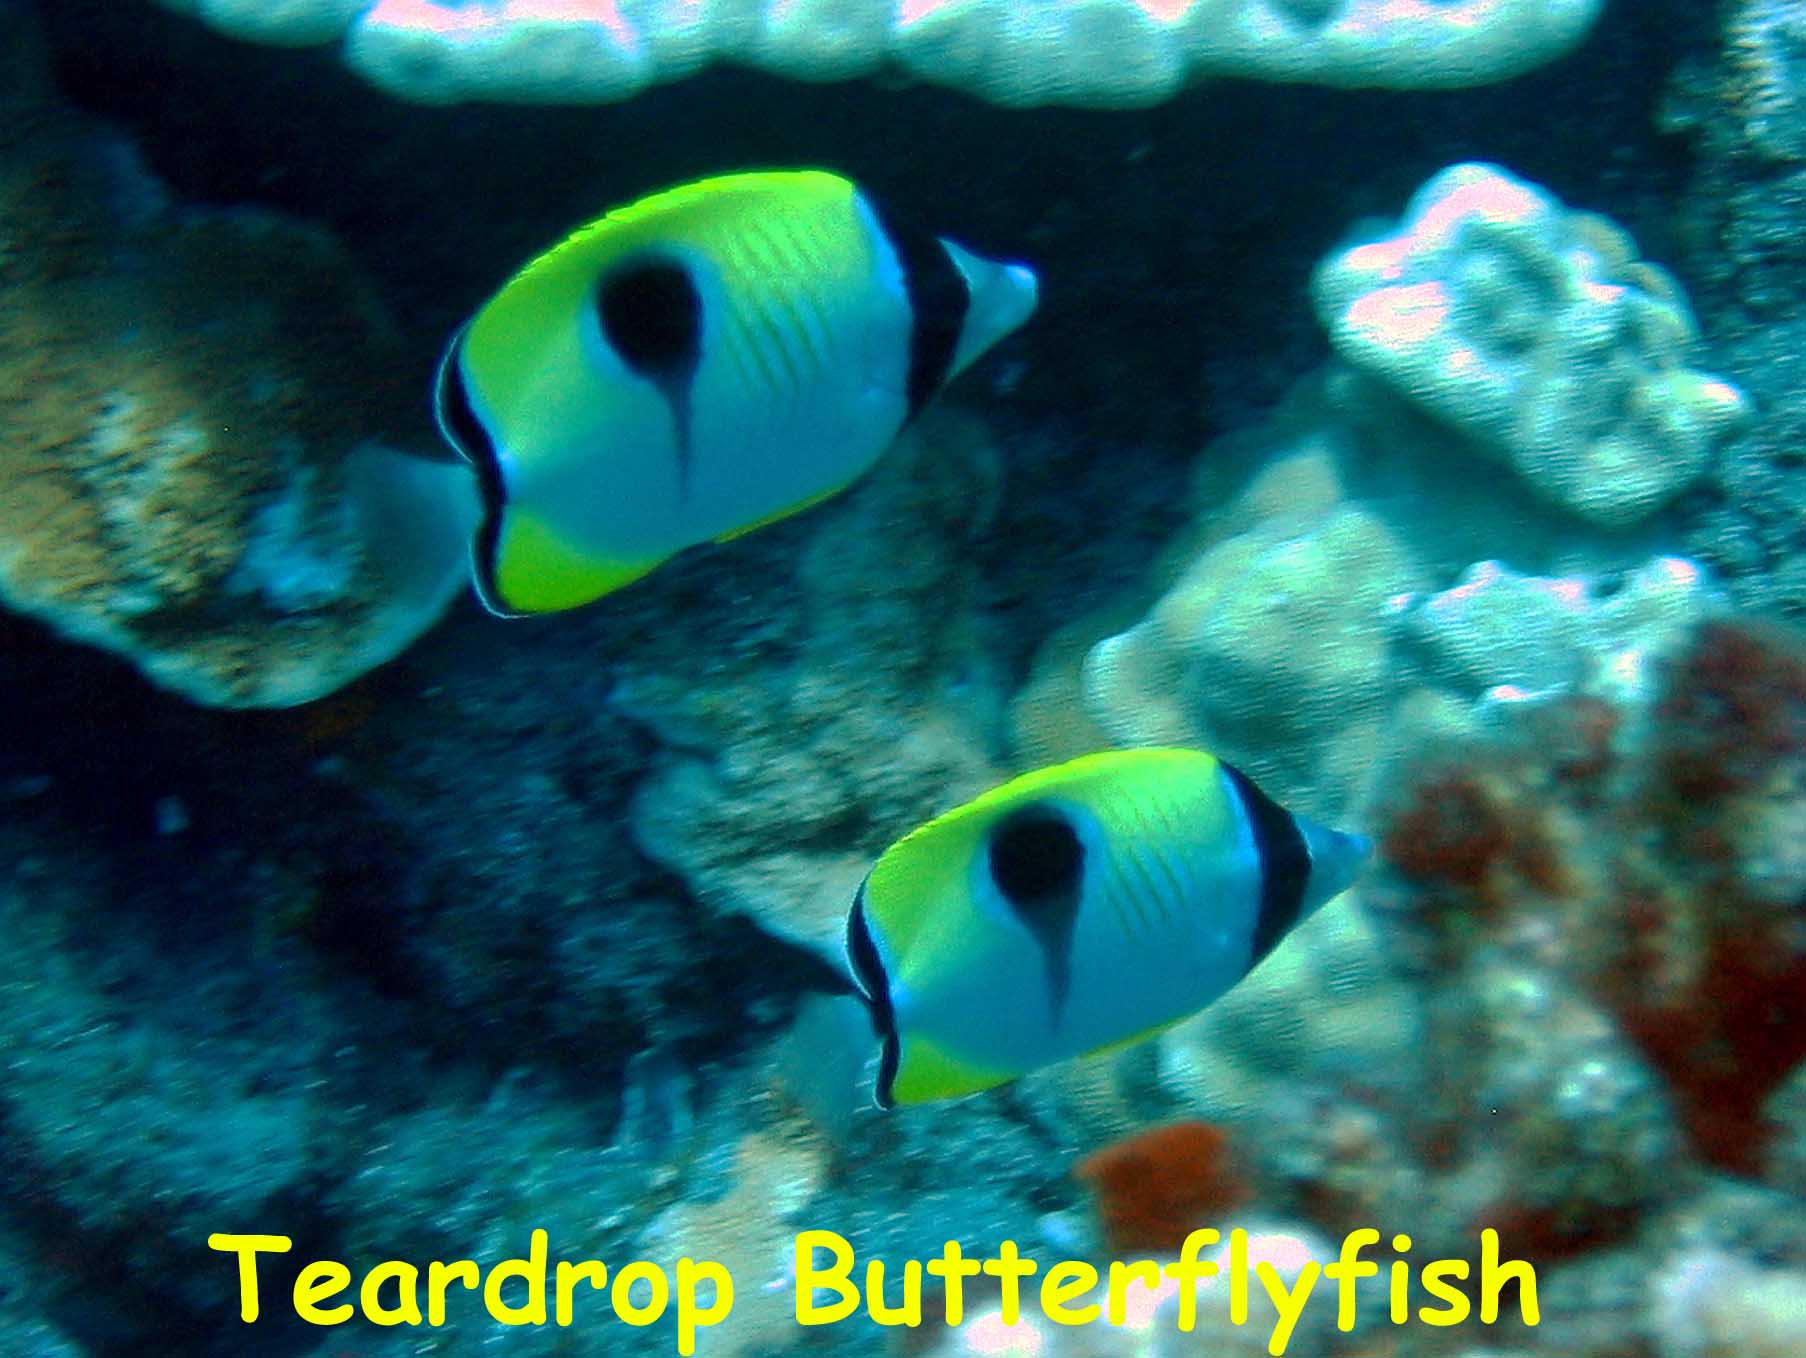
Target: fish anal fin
column 1133, row 1040
column 928, row 1071
column 808, row 502
column 537, row 570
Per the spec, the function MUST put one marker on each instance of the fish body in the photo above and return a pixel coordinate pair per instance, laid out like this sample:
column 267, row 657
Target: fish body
column 1077, row 908
column 695, row 365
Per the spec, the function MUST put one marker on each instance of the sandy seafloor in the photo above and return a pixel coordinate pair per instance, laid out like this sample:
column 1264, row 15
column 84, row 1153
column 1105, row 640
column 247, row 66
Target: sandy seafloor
column 503, row 934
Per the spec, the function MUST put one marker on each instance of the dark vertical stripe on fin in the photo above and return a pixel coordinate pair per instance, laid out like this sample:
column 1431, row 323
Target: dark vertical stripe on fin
column 868, row 970
column 462, row 429
column 1285, row 863
column 938, row 299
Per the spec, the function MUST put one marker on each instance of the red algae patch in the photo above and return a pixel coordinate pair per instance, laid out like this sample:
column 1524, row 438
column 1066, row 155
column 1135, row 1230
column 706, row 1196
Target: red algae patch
column 1156, row 1187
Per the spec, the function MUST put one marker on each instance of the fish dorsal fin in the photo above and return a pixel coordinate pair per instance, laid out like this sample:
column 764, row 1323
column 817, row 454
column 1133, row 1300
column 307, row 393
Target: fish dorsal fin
column 902, row 894
column 672, row 207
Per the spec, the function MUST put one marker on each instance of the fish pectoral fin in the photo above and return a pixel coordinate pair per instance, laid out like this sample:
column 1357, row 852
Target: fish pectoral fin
column 536, row 570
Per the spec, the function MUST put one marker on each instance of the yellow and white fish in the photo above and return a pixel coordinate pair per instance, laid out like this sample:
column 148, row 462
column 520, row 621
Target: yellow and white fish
column 1077, row 908
column 695, row 365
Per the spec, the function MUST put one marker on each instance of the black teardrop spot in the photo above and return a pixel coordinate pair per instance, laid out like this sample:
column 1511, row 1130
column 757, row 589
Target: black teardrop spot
column 1038, row 864
column 652, row 315
column 1036, row 858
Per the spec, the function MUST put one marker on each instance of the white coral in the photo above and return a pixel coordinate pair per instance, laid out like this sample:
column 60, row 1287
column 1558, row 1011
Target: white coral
column 1016, row 52
column 1537, row 333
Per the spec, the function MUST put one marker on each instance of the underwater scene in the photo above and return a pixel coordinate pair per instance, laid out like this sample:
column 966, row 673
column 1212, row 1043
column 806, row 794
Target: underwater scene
column 903, row 678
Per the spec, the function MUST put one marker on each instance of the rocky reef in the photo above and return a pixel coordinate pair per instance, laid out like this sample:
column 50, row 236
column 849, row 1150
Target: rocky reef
column 1741, row 109
column 1326, row 608
column 193, row 443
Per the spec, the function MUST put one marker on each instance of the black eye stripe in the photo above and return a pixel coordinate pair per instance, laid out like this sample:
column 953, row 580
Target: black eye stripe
column 457, row 418
column 868, row 970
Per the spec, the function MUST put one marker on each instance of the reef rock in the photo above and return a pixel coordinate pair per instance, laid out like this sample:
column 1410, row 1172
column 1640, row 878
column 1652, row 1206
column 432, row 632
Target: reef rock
column 190, row 440
column 1271, row 642
column 1785, row 1113
column 782, row 775
column 1712, row 1305
column 1323, row 616
column 751, row 1229
column 1514, row 635
column 1583, row 1128
column 1326, row 1000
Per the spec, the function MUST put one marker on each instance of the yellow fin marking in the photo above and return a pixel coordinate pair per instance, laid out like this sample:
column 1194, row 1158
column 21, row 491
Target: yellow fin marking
column 1124, row 1043
column 539, row 572
column 807, row 502
column 929, row 1072
column 914, row 878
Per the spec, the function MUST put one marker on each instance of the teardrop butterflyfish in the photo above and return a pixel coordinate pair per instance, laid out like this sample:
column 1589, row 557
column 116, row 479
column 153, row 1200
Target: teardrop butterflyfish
column 697, row 364
column 1077, row 908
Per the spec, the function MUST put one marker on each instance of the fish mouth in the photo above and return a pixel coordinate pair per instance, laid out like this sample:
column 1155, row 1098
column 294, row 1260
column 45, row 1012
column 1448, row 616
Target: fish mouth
column 874, row 985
